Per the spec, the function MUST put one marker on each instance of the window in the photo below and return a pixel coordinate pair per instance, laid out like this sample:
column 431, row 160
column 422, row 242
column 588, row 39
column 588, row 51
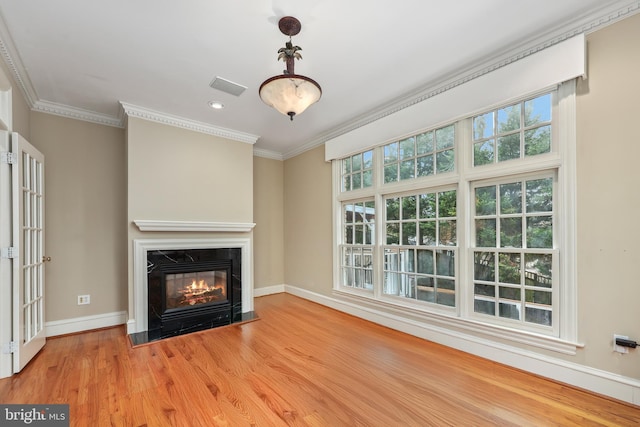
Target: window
column 513, row 132
column 420, row 249
column 420, row 155
column 463, row 219
column 357, row 171
column 358, row 221
column 513, row 251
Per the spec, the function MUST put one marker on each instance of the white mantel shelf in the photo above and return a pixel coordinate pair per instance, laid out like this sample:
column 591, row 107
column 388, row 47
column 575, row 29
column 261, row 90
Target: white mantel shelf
column 155, row 225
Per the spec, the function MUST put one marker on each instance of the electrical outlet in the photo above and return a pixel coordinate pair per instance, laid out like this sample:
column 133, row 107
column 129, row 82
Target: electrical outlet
column 84, row 299
column 619, row 348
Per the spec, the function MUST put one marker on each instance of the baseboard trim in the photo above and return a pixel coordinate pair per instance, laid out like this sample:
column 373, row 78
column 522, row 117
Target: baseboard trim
column 268, row 290
column 595, row 380
column 85, row 323
column 598, row 381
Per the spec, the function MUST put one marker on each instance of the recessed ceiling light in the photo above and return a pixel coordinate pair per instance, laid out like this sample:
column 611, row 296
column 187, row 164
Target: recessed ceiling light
column 216, row 105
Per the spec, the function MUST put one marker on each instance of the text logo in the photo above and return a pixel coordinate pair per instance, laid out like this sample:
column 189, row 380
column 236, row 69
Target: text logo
column 34, row 415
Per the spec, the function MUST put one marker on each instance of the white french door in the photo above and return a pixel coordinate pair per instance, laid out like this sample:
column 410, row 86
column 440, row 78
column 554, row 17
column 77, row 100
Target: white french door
column 28, row 262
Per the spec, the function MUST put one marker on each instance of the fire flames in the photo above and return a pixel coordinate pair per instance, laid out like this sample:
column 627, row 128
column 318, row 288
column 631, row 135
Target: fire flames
column 200, row 292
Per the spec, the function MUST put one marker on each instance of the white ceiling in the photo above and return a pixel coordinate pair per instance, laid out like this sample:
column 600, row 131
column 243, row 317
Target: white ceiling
column 82, row 58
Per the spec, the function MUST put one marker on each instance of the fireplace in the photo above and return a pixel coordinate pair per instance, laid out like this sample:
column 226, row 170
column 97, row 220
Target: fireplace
column 207, row 284
column 162, row 265
column 192, row 289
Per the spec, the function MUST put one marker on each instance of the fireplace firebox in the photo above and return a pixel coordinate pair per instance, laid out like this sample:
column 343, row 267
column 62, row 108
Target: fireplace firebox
column 192, row 289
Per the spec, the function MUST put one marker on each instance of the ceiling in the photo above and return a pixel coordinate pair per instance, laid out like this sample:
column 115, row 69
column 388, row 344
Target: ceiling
column 82, row 58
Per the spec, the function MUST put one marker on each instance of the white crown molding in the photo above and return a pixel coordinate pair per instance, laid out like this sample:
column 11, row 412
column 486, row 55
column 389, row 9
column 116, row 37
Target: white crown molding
column 14, row 64
column 181, row 122
column 155, row 225
column 267, row 154
column 77, row 113
column 310, row 145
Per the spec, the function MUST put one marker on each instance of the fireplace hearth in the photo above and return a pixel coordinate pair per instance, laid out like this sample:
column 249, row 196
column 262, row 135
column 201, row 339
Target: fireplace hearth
column 192, row 289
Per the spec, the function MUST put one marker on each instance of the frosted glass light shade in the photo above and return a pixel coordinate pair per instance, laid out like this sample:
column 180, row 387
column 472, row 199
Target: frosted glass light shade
column 290, row 94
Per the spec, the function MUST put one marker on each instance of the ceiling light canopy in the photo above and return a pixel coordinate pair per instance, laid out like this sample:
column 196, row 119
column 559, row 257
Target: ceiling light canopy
column 290, row 93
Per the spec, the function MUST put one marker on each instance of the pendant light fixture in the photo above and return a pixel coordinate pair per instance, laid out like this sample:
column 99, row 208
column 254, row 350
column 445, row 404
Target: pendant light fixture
column 290, row 93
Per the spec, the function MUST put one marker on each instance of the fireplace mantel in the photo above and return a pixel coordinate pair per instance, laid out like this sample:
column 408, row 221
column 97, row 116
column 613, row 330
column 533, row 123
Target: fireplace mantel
column 161, row 225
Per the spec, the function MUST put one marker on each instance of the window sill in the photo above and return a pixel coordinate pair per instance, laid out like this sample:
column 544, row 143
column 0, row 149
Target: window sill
column 452, row 325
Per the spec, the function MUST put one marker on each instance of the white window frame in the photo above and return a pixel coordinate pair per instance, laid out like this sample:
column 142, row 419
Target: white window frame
column 363, row 245
column 554, row 329
column 561, row 160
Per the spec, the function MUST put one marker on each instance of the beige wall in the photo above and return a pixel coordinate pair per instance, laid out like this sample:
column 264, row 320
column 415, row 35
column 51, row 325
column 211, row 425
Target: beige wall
column 308, row 222
column 608, row 205
column 85, row 212
column 268, row 214
column 176, row 174
column 181, row 175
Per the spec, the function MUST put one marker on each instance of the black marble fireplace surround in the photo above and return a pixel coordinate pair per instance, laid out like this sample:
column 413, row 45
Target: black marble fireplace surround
column 171, row 316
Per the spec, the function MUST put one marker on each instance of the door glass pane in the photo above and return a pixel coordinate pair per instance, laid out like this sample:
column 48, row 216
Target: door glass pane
column 26, row 171
column 26, row 209
column 26, row 288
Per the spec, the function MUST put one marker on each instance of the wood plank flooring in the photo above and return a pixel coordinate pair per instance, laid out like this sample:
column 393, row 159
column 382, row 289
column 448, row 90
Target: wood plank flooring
column 300, row 364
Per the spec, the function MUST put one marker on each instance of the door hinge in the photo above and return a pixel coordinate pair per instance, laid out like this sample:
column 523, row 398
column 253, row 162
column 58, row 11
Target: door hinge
column 8, row 157
column 9, row 253
column 10, row 347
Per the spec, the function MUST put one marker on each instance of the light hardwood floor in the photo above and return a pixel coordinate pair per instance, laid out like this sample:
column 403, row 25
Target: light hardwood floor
column 300, row 364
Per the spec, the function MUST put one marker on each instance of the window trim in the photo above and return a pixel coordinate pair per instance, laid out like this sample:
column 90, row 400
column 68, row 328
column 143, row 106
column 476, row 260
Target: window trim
column 562, row 159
